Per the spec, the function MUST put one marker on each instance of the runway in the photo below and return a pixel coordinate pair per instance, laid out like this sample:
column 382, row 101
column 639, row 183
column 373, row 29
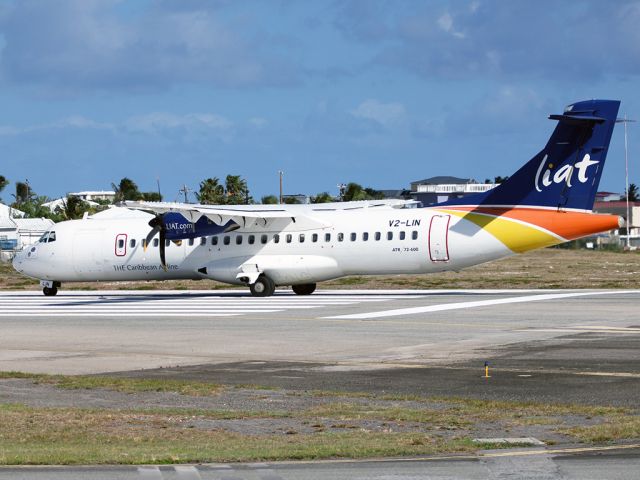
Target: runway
column 108, row 331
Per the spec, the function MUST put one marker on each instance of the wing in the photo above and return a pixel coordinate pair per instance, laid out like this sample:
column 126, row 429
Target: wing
column 257, row 217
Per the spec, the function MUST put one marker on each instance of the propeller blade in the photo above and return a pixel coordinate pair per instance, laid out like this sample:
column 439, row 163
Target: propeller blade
column 151, row 234
column 162, row 250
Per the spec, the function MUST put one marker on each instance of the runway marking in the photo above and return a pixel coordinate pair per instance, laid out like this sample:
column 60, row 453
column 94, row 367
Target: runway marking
column 168, row 305
column 475, row 304
column 584, row 329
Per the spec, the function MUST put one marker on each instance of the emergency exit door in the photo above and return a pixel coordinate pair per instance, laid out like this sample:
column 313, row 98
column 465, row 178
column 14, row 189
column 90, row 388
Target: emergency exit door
column 439, row 238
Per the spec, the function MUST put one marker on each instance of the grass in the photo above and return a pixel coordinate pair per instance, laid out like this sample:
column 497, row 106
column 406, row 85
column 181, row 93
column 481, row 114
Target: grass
column 120, row 384
column 339, row 425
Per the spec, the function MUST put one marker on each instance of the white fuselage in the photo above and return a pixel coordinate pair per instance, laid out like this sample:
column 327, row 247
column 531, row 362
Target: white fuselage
column 362, row 242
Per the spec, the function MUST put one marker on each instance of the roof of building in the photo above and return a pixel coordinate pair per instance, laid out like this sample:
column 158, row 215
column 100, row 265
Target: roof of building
column 93, row 192
column 6, row 209
column 616, row 204
column 33, row 224
column 444, row 180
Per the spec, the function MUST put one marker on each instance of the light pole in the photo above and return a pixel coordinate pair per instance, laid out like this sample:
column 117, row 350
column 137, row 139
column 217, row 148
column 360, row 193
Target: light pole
column 625, row 120
column 281, row 174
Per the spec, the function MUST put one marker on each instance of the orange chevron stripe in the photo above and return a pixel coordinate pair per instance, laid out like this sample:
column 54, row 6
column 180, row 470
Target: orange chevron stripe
column 568, row 225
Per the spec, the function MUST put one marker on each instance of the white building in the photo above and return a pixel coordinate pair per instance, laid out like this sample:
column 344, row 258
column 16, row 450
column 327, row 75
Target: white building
column 92, row 196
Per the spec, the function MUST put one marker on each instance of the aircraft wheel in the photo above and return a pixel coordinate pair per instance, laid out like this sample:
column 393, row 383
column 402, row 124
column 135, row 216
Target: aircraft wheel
column 50, row 291
column 263, row 287
column 306, row 289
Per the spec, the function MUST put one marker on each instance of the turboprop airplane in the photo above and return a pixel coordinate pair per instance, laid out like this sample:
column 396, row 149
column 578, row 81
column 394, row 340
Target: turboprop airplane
column 546, row 202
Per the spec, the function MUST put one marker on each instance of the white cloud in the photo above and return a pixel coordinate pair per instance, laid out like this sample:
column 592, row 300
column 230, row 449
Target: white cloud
column 386, row 114
column 445, row 22
column 157, row 122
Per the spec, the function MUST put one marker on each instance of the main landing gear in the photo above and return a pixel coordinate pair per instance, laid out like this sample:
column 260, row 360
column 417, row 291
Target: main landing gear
column 305, row 289
column 262, row 287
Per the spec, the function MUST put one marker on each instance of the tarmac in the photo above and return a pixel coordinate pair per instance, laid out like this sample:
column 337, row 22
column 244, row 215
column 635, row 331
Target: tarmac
column 558, row 345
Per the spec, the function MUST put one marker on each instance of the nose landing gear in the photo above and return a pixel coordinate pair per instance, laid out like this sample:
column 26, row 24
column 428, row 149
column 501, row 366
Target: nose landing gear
column 49, row 288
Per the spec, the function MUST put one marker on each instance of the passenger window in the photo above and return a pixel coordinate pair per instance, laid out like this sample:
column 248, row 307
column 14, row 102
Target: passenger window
column 167, row 243
column 301, row 238
column 402, row 235
column 238, row 239
column 214, row 240
column 276, row 238
column 314, row 237
column 264, row 239
column 414, row 235
column 156, row 242
column 378, row 236
column 203, row 240
column 389, row 235
column 353, row 237
column 327, row 237
column 226, row 240
column 251, row 239
column 340, row 237
column 120, row 243
column 365, row 236
column 289, row 238
column 52, row 237
column 132, row 243
column 191, row 242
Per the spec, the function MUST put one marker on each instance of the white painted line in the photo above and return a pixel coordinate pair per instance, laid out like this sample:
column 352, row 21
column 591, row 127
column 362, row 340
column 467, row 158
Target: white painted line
column 477, row 304
column 187, row 472
column 121, row 314
column 150, row 472
column 510, row 440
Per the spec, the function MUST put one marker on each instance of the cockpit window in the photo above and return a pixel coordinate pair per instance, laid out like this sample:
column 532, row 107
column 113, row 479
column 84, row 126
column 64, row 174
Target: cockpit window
column 52, row 237
column 44, row 237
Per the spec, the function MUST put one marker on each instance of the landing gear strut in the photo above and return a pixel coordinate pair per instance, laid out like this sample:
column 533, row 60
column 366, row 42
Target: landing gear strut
column 305, row 289
column 263, row 287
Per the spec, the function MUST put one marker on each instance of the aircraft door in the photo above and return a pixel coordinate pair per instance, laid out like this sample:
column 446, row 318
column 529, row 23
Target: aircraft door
column 439, row 238
column 121, row 245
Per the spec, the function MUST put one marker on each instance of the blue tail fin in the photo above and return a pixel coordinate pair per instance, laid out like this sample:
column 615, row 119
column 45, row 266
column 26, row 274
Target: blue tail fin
column 566, row 173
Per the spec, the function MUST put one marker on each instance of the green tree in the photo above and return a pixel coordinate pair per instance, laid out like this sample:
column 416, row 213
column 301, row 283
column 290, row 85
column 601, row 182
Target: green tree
column 211, row 192
column 236, row 191
column 500, row 179
column 291, row 201
column 3, row 182
column 73, row 207
column 269, row 200
column 126, row 190
column 23, row 194
column 354, row 192
column 323, row 197
column 632, row 196
column 151, row 196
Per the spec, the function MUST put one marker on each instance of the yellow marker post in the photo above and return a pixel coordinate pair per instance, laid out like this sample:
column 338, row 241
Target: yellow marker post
column 486, row 370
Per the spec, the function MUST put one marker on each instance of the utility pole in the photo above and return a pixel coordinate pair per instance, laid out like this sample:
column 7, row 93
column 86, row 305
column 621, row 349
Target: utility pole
column 281, row 173
column 186, row 191
column 625, row 120
column 158, row 182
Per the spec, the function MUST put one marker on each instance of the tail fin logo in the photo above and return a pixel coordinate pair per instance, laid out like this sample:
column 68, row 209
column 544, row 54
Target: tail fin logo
column 545, row 177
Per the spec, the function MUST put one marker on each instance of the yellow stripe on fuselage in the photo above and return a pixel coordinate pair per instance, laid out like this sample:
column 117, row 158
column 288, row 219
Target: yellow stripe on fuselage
column 516, row 236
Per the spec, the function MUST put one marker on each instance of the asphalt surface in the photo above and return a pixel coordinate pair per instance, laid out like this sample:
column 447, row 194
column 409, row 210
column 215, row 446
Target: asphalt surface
column 551, row 346
column 524, row 464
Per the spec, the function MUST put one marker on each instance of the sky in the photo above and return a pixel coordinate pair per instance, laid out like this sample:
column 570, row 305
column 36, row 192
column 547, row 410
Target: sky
column 377, row 92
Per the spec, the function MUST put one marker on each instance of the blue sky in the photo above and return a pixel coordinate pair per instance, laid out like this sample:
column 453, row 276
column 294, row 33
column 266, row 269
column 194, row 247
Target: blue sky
column 377, row 92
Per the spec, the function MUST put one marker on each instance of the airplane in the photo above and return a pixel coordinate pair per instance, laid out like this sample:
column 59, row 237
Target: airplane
column 548, row 201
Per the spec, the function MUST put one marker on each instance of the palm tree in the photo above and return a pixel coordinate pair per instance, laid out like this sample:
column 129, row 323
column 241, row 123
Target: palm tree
column 126, row 190
column 323, row 197
column 211, row 192
column 74, row 207
column 632, row 196
column 236, row 190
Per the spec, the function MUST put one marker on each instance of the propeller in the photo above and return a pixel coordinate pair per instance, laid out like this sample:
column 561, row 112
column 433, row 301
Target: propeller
column 157, row 226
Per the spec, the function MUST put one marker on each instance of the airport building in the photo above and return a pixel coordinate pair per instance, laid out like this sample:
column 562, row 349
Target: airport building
column 440, row 189
column 17, row 232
